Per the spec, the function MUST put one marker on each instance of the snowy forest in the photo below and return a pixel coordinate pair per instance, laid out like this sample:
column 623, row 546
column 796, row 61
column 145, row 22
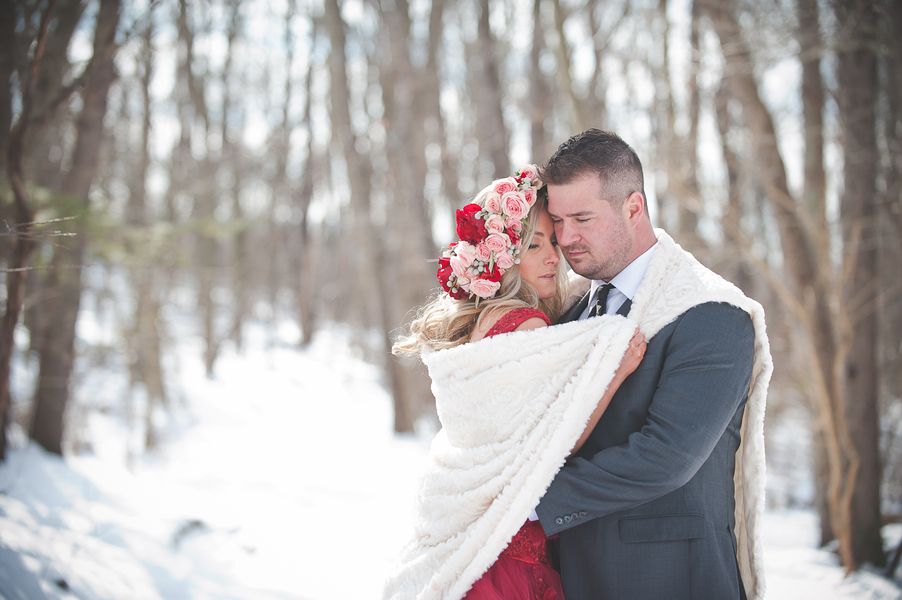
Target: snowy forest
column 217, row 215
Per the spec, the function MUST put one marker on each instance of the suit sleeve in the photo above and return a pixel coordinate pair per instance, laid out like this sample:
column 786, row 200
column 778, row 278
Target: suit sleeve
column 704, row 379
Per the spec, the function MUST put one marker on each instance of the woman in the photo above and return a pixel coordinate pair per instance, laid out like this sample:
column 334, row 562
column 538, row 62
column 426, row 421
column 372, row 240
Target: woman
column 505, row 275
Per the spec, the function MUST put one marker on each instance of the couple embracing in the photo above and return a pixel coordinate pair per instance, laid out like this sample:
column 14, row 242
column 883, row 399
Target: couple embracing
column 610, row 447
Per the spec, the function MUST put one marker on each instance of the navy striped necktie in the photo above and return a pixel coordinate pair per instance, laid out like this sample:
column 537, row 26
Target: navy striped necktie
column 601, row 299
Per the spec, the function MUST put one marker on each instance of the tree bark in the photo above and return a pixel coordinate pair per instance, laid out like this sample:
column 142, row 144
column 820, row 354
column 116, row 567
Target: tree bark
column 303, row 264
column 406, row 179
column 58, row 352
column 691, row 203
column 50, row 96
column 23, row 245
column 814, row 198
column 203, row 188
column 368, row 254
column 231, row 159
column 857, row 98
column 435, row 118
column 891, row 252
column 144, row 339
column 493, row 140
column 8, row 16
column 578, row 119
column 805, row 292
column 539, row 105
column 733, row 214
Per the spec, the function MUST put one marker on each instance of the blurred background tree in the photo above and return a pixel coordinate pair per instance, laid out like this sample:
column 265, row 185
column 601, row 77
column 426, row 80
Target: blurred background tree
column 297, row 163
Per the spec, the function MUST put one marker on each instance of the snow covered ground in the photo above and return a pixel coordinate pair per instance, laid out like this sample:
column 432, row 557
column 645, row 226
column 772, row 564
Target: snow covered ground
column 280, row 478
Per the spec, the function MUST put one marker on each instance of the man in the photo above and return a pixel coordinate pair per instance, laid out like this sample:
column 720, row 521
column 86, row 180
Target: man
column 645, row 510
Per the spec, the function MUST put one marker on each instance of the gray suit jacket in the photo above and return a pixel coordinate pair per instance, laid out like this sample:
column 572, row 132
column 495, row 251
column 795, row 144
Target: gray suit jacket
column 645, row 508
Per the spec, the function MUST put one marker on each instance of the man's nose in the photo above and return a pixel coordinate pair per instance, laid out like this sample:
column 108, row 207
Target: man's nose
column 565, row 233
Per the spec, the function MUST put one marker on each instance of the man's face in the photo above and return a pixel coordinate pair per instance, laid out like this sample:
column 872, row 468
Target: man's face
column 595, row 237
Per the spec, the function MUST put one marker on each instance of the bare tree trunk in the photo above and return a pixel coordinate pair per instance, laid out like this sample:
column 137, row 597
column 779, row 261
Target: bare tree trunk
column 50, row 95
column 8, row 16
column 302, row 255
column 231, row 160
column 436, row 122
column 493, row 141
column 893, row 204
column 539, row 101
column 814, row 199
column 691, row 203
column 663, row 132
column 578, row 118
column 678, row 153
column 406, row 178
column 280, row 145
column 24, row 214
column 46, row 149
column 891, row 253
column 204, row 188
column 58, row 353
column 144, row 339
column 741, row 275
column 857, row 96
column 805, row 293
column 368, row 255
column 303, row 263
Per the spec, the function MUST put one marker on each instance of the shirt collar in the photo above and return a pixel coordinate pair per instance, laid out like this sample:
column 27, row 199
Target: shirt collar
column 627, row 281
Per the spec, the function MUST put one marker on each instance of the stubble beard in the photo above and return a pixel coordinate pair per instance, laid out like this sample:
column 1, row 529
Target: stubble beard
column 607, row 267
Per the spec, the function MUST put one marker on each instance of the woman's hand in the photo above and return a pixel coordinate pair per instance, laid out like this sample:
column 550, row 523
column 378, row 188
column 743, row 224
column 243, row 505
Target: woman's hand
column 633, row 356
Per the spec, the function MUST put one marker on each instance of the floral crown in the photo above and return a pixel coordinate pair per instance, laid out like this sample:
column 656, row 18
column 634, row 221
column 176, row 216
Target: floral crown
column 489, row 235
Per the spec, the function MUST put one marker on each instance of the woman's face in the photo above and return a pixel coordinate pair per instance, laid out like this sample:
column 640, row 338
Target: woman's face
column 538, row 262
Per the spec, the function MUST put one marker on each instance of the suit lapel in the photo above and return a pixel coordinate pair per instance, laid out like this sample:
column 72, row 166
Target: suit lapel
column 575, row 311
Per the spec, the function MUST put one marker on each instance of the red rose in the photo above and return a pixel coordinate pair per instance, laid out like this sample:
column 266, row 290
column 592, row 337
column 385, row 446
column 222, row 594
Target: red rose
column 493, row 275
column 469, row 228
column 444, row 274
column 515, row 239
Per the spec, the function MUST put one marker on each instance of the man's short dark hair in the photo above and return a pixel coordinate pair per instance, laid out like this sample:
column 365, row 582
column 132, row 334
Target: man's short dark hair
column 603, row 153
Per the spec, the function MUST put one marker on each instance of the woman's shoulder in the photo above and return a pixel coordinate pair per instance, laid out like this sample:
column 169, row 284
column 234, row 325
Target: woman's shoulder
column 513, row 318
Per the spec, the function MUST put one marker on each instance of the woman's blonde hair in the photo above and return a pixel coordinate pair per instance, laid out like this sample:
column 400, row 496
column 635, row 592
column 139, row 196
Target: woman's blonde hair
column 444, row 322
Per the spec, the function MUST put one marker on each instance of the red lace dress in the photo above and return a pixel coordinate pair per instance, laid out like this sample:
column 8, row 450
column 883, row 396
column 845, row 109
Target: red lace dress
column 522, row 571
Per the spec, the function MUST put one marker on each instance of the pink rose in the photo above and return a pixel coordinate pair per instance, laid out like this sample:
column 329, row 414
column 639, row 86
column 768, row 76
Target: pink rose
column 515, row 225
column 529, row 195
column 482, row 252
column 458, row 266
column 495, row 224
column 493, row 202
column 464, row 283
column 484, row 288
column 530, row 172
column 503, row 186
column 466, row 251
column 497, row 242
column 504, row 260
column 513, row 205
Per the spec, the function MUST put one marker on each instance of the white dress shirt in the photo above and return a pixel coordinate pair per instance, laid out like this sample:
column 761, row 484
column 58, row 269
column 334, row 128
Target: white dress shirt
column 625, row 283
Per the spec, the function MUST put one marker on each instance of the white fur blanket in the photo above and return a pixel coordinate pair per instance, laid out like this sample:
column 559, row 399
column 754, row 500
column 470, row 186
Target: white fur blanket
column 512, row 407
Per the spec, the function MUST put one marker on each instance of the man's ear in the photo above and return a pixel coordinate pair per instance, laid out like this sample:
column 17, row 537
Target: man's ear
column 634, row 205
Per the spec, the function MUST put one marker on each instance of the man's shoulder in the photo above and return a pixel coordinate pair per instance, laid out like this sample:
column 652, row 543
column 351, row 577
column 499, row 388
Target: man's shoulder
column 721, row 318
